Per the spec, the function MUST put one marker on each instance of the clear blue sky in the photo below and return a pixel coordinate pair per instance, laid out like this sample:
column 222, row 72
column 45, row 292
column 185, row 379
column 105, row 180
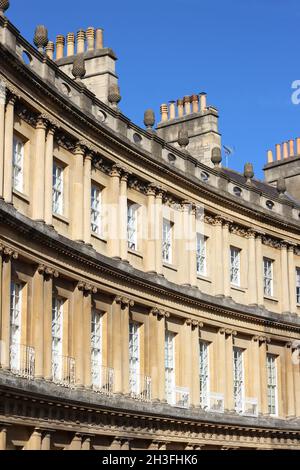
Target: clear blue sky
column 243, row 53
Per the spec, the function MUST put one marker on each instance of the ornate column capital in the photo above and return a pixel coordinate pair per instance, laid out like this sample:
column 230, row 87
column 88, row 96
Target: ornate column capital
column 159, row 313
column 87, row 288
column 261, row 339
column 151, row 189
column 227, row 332
column 48, row 272
column 124, row 301
column 116, row 171
column 8, row 253
column 42, row 121
column 251, row 233
column 194, row 323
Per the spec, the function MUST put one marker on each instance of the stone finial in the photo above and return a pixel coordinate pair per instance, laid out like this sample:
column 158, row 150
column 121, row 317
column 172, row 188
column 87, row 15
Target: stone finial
column 114, row 96
column 4, row 5
column 40, row 37
column 149, row 119
column 248, row 172
column 78, row 69
column 216, row 156
column 183, row 139
column 281, row 186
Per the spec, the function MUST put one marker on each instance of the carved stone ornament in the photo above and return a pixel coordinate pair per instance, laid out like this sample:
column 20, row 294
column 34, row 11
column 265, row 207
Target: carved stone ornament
column 4, row 5
column 124, row 301
column 183, row 139
column 149, row 118
column 216, row 156
column 159, row 312
column 272, row 242
column 8, row 253
column 87, row 288
column 40, row 37
column 114, row 96
column 47, row 271
column 79, row 69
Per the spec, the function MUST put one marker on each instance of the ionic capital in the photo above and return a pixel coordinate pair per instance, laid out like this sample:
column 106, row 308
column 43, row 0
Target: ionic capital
column 261, row 339
column 116, row 171
column 227, row 332
column 8, row 253
column 87, row 288
column 48, row 272
column 42, row 121
column 194, row 323
column 124, row 301
column 151, row 189
column 159, row 313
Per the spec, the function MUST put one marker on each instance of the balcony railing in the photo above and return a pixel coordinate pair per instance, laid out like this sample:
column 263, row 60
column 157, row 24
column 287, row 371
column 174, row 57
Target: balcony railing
column 215, row 402
column 102, row 379
column 141, row 388
column 63, row 370
column 22, row 360
column 250, row 407
column 181, row 397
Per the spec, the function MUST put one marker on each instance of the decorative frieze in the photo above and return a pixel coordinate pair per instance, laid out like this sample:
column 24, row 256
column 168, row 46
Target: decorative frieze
column 272, row 242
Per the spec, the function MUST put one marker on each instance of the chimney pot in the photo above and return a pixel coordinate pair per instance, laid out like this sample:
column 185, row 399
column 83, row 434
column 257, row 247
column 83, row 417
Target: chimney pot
column 60, row 43
column 80, row 41
column 180, row 107
column 195, row 101
column 285, row 150
column 172, row 109
column 164, row 112
column 70, row 44
column 203, row 104
column 270, row 156
column 278, row 152
column 50, row 50
column 298, row 145
column 99, row 38
column 90, row 35
column 291, row 148
column 187, row 104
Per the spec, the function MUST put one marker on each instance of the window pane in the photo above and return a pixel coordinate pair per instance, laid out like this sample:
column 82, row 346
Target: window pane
column 201, row 254
column 167, row 241
column 96, row 210
column 57, row 189
column 235, row 266
column 18, row 164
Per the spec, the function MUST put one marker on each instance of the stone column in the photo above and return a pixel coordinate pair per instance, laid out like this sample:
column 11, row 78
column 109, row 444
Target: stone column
column 3, row 434
column 186, row 355
column 285, row 304
column 77, row 204
column 48, row 174
column 255, row 371
column 195, row 385
column 38, row 320
column 226, row 275
column 184, row 246
column 252, row 289
column 150, row 242
column 46, row 441
column 296, row 377
column 48, row 296
column 8, row 256
column 87, row 189
column 193, row 247
column 292, row 279
column 259, row 270
column 113, row 243
column 2, row 133
column 8, row 148
column 86, row 443
column 76, row 442
column 125, row 307
column 38, row 189
column 123, row 217
column 87, row 321
column 218, row 248
column 220, row 363
column 78, row 332
column 263, row 376
column 229, row 398
column 158, row 229
column 289, row 383
column 157, row 359
column 35, row 440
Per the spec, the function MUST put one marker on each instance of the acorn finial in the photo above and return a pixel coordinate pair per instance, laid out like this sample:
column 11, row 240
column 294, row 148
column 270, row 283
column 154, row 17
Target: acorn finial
column 78, row 69
column 248, row 172
column 4, row 5
column 40, row 37
column 149, row 119
column 216, row 156
column 183, row 139
column 281, row 186
column 114, row 96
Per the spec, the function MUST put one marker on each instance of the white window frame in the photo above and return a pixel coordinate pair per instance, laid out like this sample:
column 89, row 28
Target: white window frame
column 58, row 189
column 134, row 357
column 18, row 164
column 132, row 226
column 96, row 348
column 167, row 241
column 170, row 366
column 298, row 285
column 272, row 384
column 238, row 379
column 268, row 274
column 204, row 376
column 15, row 325
column 235, row 266
column 96, row 212
column 201, row 252
column 57, row 338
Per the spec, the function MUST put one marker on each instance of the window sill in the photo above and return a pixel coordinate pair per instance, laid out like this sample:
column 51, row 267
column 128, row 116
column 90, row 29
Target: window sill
column 270, row 297
column 202, row 277
column 170, row 266
column 98, row 237
column 22, row 196
column 238, row 288
column 61, row 218
column 138, row 254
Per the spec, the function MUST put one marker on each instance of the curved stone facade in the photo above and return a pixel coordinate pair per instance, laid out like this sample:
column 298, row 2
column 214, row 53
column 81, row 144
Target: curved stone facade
column 148, row 300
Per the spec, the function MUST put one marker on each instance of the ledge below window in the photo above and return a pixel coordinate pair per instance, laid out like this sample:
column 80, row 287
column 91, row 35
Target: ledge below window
column 202, row 277
column 170, row 266
column 138, row 254
column 238, row 288
column 61, row 218
column 22, row 196
column 271, row 298
column 98, row 237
